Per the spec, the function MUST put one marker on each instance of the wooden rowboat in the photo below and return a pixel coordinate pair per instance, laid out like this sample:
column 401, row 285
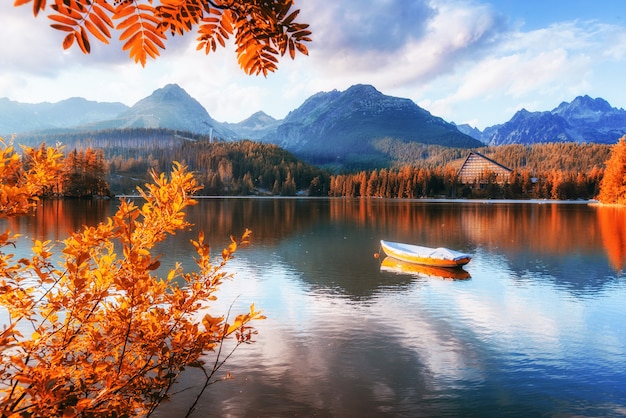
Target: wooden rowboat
column 396, row 266
column 438, row 257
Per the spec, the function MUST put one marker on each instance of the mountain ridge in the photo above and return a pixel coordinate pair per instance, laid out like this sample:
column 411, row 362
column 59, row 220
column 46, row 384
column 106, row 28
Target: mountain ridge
column 327, row 126
column 169, row 107
column 583, row 120
column 17, row 117
column 256, row 126
column 344, row 127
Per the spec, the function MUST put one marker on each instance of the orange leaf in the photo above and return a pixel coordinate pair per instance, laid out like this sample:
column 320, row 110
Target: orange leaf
column 124, row 9
column 96, row 32
column 38, row 5
column 69, row 40
column 302, row 48
column 104, row 4
column 129, row 21
column 102, row 25
column 131, row 32
column 62, row 28
column 83, row 41
column 155, row 38
column 63, row 19
column 292, row 51
column 69, row 8
column 102, row 15
column 290, row 18
column 154, row 265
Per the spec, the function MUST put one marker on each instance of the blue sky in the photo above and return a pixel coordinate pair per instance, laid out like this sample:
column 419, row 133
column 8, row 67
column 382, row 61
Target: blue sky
column 475, row 62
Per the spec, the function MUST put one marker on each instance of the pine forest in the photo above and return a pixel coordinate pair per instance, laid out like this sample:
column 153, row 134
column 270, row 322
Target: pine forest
column 117, row 161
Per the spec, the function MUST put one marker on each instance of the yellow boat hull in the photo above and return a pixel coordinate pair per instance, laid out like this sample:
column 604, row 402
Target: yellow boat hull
column 436, row 257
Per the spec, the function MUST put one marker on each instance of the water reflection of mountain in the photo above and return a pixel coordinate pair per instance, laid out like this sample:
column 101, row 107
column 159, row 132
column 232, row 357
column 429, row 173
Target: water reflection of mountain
column 579, row 274
column 56, row 219
column 270, row 219
column 529, row 227
column 336, row 250
column 332, row 241
column 340, row 257
column 565, row 243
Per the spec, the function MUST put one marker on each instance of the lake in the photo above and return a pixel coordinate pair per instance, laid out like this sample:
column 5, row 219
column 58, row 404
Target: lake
column 536, row 328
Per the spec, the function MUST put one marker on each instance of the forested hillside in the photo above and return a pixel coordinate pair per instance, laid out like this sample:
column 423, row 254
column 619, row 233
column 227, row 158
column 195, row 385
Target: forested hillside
column 243, row 168
column 566, row 156
column 561, row 170
column 541, row 171
column 224, row 168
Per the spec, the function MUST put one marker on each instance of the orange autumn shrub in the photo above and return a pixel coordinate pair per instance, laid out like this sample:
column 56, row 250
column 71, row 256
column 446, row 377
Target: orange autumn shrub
column 99, row 333
column 25, row 178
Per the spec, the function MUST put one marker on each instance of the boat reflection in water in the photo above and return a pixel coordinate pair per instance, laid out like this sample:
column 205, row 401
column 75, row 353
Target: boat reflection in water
column 393, row 265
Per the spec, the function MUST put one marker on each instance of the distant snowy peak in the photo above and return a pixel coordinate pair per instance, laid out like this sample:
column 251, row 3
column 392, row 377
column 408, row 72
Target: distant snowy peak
column 531, row 127
column 584, row 109
column 584, row 119
column 329, row 122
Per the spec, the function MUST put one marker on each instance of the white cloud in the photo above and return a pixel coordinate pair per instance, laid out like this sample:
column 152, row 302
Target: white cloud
column 535, row 69
column 462, row 60
column 438, row 38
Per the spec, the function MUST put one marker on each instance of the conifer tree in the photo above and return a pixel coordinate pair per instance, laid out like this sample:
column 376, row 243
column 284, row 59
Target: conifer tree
column 613, row 185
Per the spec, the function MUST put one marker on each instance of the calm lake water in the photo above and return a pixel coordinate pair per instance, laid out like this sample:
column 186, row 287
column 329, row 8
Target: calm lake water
column 537, row 329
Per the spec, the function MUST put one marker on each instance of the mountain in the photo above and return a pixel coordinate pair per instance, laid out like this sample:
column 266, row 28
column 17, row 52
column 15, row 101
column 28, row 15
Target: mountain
column 359, row 127
column 582, row 120
column 16, row 117
column 469, row 130
column 348, row 127
column 255, row 127
column 170, row 107
column 532, row 127
column 595, row 119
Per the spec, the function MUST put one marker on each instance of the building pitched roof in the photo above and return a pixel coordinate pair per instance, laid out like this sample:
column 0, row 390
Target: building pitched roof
column 476, row 164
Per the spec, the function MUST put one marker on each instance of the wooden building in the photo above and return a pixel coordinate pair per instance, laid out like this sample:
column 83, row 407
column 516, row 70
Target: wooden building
column 478, row 169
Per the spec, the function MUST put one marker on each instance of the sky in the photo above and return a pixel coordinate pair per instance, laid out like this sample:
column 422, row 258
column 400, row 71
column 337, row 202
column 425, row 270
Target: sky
column 467, row 61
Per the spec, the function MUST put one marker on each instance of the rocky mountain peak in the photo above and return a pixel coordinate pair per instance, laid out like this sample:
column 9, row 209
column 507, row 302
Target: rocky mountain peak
column 362, row 91
column 584, row 119
column 366, row 98
column 521, row 114
column 598, row 104
column 346, row 127
column 172, row 107
column 584, row 109
column 171, row 95
column 170, row 92
column 255, row 127
column 259, row 117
